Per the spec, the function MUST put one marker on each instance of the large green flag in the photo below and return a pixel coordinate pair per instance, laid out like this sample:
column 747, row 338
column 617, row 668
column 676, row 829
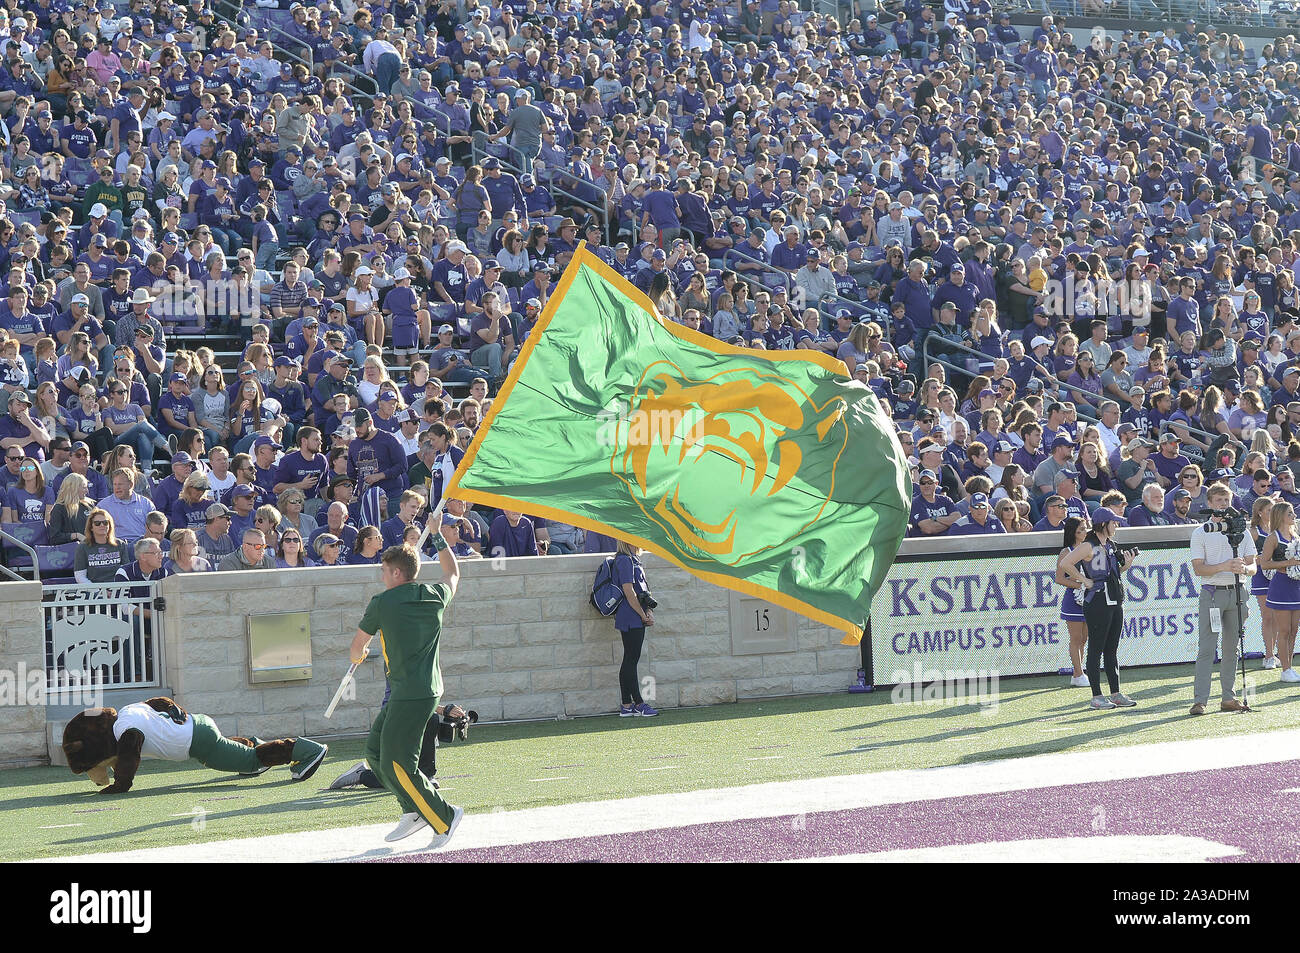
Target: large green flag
column 771, row 473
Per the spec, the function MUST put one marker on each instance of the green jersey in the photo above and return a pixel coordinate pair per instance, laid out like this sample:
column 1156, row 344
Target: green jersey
column 110, row 197
column 408, row 621
column 419, row 475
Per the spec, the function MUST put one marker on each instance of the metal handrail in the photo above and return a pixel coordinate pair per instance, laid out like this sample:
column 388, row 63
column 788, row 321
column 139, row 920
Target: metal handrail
column 272, row 27
column 478, row 152
column 754, row 284
column 1084, row 407
column 886, row 326
column 36, row 563
column 1188, row 133
column 787, row 281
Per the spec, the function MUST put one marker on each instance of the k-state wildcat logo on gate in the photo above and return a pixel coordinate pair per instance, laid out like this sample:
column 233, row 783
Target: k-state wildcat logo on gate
column 701, row 457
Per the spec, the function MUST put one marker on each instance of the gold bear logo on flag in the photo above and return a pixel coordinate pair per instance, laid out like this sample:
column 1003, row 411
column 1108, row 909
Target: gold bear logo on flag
column 694, row 454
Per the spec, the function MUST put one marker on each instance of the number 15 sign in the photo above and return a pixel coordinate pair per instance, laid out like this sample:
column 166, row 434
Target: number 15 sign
column 758, row 627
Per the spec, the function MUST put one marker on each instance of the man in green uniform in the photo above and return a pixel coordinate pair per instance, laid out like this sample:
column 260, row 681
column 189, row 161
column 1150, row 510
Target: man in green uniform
column 407, row 617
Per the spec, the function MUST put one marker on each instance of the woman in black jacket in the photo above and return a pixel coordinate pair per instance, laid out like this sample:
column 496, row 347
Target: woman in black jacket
column 68, row 515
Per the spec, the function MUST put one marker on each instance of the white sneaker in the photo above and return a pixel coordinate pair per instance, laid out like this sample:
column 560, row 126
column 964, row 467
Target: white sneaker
column 441, row 839
column 1277, row 662
column 1100, row 703
column 1290, row 675
column 1079, row 681
column 408, row 825
column 349, row 778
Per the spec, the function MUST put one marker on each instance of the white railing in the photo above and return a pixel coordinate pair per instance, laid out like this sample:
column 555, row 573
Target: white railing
column 110, row 635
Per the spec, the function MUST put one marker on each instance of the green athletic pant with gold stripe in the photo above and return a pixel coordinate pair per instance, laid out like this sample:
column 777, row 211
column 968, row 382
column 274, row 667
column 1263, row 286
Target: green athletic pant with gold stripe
column 393, row 753
column 213, row 750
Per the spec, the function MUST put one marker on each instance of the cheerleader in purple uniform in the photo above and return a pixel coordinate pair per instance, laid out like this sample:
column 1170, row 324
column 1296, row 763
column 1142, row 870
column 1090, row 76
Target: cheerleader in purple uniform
column 1283, row 591
column 1073, row 579
column 1259, row 530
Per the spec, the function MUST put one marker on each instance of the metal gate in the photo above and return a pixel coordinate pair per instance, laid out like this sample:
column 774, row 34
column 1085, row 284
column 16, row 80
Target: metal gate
column 110, row 636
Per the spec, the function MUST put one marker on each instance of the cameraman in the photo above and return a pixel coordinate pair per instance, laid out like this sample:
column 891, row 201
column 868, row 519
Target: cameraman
column 1221, row 575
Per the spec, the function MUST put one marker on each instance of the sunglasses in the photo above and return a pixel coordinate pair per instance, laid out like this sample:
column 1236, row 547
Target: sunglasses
column 256, row 545
column 291, row 539
column 99, row 523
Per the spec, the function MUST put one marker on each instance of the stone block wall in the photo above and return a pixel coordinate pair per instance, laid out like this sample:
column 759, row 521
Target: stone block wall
column 22, row 666
column 520, row 641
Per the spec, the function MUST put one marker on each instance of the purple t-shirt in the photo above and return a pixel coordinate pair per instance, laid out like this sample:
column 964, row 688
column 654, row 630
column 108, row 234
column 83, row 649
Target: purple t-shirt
column 190, row 515
column 627, row 569
column 9, row 427
column 923, row 510
column 507, row 540
column 125, row 415
column 81, row 423
column 1168, row 468
column 968, row 527
column 181, row 408
column 293, row 468
column 27, row 507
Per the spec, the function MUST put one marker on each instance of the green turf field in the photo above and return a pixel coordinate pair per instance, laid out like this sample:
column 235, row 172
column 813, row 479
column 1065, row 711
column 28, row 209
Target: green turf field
column 530, row 765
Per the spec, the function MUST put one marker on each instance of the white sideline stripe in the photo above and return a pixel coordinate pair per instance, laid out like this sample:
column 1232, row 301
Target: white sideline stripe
column 773, row 799
column 1133, row 849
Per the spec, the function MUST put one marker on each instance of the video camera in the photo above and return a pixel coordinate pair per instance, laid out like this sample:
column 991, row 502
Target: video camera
column 1230, row 523
column 451, row 729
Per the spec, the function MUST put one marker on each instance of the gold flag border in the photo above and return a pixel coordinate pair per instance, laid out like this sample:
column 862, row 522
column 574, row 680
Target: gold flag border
column 584, row 258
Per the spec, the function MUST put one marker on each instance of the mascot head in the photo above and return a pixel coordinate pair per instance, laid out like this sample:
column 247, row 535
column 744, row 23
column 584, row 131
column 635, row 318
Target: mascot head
column 89, row 744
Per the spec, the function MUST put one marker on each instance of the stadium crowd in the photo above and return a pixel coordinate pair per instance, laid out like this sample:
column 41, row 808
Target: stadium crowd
column 1065, row 261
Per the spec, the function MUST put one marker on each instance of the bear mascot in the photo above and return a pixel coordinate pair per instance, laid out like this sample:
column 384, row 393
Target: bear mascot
column 100, row 739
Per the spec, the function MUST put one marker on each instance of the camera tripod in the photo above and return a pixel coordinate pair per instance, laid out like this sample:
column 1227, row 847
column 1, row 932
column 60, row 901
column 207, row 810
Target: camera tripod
column 1235, row 543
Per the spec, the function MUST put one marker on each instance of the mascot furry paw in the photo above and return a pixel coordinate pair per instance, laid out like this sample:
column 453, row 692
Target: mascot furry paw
column 102, row 739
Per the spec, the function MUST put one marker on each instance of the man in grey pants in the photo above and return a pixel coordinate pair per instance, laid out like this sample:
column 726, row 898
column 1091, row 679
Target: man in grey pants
column 1221, row 575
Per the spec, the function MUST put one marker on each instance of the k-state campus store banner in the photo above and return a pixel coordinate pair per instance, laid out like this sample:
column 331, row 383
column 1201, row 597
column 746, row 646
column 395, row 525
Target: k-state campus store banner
column 973, row 612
